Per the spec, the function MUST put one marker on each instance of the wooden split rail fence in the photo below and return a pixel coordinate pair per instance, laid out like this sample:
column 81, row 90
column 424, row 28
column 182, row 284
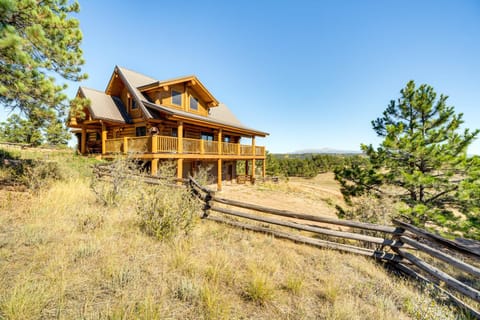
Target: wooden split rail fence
column 413, row 251
column 408, row 249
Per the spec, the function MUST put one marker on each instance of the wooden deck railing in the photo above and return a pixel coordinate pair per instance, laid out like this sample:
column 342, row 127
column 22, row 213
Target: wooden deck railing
column 191, row 146
column 166, row 144
column 229, row 148
column 210, row 147
column 139, row 144
column 246, row 150
column 114, row 145
column 259, row 151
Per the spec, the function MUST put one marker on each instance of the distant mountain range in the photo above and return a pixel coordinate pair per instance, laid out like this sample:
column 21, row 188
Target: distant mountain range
column 326, row 151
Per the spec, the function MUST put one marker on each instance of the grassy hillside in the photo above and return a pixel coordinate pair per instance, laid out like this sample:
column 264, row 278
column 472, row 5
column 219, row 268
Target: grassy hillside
column 64, row 255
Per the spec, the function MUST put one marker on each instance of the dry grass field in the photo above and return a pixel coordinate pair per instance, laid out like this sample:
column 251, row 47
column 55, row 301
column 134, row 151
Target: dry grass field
column 64, row 255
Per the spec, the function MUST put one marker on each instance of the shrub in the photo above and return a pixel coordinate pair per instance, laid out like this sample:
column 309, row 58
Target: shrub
column 166, row 211
column 115, row 181
column 37, row 174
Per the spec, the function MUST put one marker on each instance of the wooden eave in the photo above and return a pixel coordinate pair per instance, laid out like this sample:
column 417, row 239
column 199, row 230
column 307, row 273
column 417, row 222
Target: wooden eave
column 191, row 81
column 110, row 82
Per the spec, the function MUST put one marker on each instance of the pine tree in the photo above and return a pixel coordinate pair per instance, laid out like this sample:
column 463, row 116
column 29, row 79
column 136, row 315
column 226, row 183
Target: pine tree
column 56, row 133
column 19, row 130
column 38, row 39
column 422, row 161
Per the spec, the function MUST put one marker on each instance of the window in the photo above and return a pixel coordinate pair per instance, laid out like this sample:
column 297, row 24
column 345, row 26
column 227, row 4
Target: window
column 133, row 104
column 176, row 98
column 140, row 131
column 207, row 136
column 193, row 103
column 226, row 139
column 175, row 132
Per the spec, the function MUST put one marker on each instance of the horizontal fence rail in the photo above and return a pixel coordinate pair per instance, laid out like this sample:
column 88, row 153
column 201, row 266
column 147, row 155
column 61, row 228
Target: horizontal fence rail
column 393, row 244
column 402, row 246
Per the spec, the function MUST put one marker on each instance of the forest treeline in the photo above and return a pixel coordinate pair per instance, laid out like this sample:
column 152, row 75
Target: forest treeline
column 309, row 165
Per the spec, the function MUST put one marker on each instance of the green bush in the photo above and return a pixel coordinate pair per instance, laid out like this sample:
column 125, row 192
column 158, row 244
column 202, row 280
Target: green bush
column 166, row 211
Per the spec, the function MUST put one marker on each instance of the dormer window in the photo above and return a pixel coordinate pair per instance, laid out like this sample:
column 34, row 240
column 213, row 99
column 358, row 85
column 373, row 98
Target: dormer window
column 133, row 103
column 176, row 98
column 193, row 103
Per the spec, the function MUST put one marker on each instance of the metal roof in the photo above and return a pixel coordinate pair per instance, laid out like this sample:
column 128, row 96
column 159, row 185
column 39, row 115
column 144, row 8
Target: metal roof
column 222, row 116
column 105, row 107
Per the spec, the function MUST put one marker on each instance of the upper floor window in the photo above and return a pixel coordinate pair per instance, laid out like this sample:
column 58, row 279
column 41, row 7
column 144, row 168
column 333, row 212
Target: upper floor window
column 176, row 98
column 226, row 139
column 193, row 103
column 133, row 104
column 140, row 131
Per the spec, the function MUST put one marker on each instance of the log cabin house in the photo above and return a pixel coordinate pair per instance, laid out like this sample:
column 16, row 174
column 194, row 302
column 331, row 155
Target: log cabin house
column 177, row 119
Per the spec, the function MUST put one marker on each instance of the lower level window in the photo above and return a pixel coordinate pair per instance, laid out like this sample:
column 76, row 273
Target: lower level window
column 140, row 131
column 207, row 136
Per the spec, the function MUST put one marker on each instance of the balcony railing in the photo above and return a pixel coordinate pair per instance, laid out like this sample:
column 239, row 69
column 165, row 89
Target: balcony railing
column 165, row 144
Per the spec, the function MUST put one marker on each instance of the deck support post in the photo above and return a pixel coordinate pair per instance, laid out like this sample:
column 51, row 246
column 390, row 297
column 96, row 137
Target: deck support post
column 264, row 168
column 154, row 167
column 125, row 145
column 246, row 167
column 253, row 168
column 104, row 138
column 253, row 160
column 179, row 171
column 219, row 173
column 83, row 142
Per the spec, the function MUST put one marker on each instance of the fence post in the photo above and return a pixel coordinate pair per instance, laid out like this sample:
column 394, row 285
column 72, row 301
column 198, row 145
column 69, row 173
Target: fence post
column 207, row 206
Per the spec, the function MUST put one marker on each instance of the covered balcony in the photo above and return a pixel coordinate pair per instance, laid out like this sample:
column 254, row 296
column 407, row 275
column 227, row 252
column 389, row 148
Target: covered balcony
column 174, row 147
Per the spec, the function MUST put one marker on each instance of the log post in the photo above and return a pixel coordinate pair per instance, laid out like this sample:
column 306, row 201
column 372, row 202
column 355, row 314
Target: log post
column 264, row 168
column 104, row 139
column 180, row 137
column 154, row 167
column 83, row 142
column 154, row 144
column 179, row 171
column 254, row 157
column 253, row 146
column 219, row 173
column 125, row 145
column 202, row 146
column 246, row 167
column 220, row 145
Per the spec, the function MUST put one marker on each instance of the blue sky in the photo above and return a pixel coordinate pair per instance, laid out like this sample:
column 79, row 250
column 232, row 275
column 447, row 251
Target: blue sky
column 313, row 74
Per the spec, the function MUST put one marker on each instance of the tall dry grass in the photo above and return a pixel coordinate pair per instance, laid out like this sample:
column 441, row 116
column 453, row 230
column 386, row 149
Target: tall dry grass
column 64, row 255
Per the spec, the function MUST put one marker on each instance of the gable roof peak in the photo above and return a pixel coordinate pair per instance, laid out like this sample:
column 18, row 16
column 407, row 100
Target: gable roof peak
column 135, row 78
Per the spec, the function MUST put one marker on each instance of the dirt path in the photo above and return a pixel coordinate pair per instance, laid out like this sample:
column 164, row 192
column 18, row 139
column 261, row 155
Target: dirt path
column 317, row 196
